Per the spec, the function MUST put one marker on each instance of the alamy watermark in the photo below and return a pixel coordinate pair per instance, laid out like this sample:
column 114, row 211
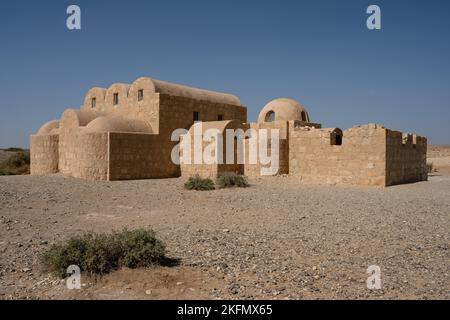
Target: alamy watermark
column 207, row 146
column 374, row 20
column 73, row 281
column 374, row 280
column 73, row 22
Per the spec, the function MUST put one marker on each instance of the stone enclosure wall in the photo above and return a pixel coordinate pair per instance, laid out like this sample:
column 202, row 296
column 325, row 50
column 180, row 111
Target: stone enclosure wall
column 406, row 158
column 360, row 159
column 368, row 155
column 254, row 169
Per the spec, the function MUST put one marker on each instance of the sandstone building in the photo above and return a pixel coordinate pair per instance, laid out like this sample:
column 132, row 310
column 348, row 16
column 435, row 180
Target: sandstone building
column 125, row 132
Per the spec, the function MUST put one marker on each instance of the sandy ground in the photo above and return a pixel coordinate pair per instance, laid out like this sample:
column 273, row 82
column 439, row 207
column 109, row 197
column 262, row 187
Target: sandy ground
column 277, row 239
column 439, row 156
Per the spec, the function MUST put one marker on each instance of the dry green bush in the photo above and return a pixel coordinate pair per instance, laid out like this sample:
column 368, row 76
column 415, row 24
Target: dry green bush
column 198, row 183
column 18, row 163
column 230, row 180
column 103, row 253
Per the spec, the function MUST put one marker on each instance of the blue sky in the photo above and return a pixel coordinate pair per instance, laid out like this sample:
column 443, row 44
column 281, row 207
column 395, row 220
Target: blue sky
column 317, row 52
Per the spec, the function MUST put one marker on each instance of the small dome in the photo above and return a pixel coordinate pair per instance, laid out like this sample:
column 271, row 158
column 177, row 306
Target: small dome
column 118, row 124
column 74, row 118
column 283, row 109
column 48, row 127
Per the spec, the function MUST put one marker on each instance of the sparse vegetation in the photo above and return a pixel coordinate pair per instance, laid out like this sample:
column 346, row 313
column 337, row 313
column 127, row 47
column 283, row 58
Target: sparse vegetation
column 103, row 253
column 18, row 163
column 198, row 183
column 230, row 180
column 14, row 149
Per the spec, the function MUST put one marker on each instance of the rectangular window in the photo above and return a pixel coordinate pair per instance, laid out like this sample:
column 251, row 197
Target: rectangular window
column 196, row 116
column 141, row 95
column 115, row 99
column 220, row 117
column 93, row 102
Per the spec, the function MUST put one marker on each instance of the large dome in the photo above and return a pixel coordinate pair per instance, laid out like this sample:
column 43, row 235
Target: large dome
column 283, row 109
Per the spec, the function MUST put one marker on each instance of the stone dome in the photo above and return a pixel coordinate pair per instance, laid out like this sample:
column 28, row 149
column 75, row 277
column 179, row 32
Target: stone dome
column 49, row 127
column 113, row 123
column 283, row 109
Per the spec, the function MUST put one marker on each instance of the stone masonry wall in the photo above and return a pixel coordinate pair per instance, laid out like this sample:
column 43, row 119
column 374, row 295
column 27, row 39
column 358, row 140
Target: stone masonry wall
column 361, row 159
column 177, row 113
column 83, row 155
column 254, row 169
column 406, row 158
column 44, row 154
column 212, row 170
column 136, row 156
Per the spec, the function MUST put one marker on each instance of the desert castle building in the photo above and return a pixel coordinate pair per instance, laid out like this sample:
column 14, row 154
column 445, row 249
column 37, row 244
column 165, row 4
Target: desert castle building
column 126, row 132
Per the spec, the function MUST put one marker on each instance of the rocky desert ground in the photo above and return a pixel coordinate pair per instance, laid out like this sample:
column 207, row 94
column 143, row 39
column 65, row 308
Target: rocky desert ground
column 275, row 240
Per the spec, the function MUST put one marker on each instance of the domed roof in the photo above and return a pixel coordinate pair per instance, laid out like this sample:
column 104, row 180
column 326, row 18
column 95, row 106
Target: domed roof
column 153, row 85
column 49, row 127
column 74, row 118
column 283, row 109
column 113, row 123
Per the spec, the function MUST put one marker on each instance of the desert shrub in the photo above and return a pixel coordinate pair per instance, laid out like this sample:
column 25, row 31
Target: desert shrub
column 103, row 253
column 430, row 167
column 198, row 183
column 231, row 179
column 18, row 163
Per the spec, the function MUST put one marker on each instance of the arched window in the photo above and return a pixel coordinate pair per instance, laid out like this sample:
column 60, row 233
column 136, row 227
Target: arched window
column 304, row 116
column 140, row 94
column 336, row 137
column 270, row 116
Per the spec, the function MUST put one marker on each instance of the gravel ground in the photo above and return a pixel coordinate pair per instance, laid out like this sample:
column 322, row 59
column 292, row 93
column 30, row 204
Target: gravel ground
column 277, row 239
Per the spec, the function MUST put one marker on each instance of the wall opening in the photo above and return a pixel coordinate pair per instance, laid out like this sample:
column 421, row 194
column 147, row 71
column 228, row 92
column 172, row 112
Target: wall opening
column 304, row 116
column 336, row 138
column 270, row 116
column 196, row 116
column 115, row 99
column 93, row 103
column 220, row 117
column 140, row 94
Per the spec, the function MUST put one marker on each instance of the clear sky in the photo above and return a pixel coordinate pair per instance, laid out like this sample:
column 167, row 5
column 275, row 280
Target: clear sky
column 317, row 52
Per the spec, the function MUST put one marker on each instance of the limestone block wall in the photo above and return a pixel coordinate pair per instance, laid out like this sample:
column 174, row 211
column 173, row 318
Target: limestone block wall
column 212, row 170
column 254, row 169
column 406, row 158
column 360, row 159
column 44, row 155
column 83, row 155
column 177, row 112
column 136, row 156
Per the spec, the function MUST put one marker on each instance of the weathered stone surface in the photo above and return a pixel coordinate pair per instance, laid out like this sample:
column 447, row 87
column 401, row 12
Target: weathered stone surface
column 125, row 131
